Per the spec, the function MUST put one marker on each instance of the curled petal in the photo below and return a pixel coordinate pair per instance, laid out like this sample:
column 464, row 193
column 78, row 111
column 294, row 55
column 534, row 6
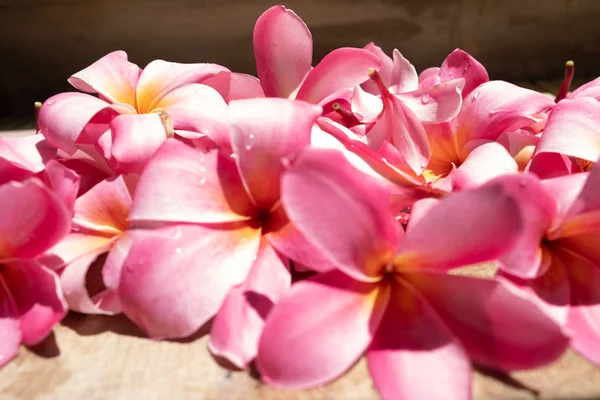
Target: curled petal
column 283, row 51
column 263, row 133
column 159, row 78
column 436, row 104
column 404, row 75
column 37, row 296
column 134, row 139
column 246, row 307
column 323, row 324
column 66, row 117
column 387, row 66
column 64, row 182
column 27, row 153
column 183, row 184
column 345, row 215
column 112, row 76
column 176, row 277
column 33, row 219
column 460, row 64
column 343, row 68
column 498, row 325
column 198, row 108
column 412, row 347
column 551, row 165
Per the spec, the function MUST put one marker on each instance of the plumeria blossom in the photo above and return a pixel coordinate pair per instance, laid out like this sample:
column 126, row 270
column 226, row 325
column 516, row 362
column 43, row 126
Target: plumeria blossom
column 98, row 235
column 221, row 239
column 283, row 51
column 390, row 295
column 135, row 110
column 557, row 258
column 33, row 219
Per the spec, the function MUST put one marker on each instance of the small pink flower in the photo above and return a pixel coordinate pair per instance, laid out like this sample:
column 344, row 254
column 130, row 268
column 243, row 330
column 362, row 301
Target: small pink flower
column 390, row 295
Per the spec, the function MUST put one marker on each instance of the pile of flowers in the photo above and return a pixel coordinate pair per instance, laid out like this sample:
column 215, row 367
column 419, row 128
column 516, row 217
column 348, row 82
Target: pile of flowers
column 312, row 215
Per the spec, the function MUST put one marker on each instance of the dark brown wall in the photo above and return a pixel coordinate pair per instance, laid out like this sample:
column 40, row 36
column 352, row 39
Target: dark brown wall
column 43, row 41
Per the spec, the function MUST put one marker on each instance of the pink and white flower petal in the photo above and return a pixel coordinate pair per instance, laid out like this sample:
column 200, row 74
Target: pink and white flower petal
column 460, row 64
column 319, row 329
column 413, row 347
column 246, row 307
column 283, row 50
column 183, row 184
column 498, row 324
column 176, row 277
column 113, row 77
column 263, row 133
column 64, row 182
column 387, row 66
column 486, row 162
column 436, row 104
column 341, row 212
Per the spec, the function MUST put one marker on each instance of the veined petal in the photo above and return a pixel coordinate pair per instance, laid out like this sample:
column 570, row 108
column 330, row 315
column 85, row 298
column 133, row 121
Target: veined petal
column 10, row 328
column 573, row 129
column 460, row 64
column 159, row 78
column 246, row 307
column 67, row 116
column 263, row 133
column 33, row 219
column 103, row 210
column 413, row 347
column 404, row 76
column 343, row 68
column 428, row 244
column 436, row 104
column 37, row 297
column 319, row 329
column 283, row 51
column 183, row 184
column 198, row 108
column 341, row 212
column 134, row 140
column 176, row 277
column 112, row 76
column 498, row 325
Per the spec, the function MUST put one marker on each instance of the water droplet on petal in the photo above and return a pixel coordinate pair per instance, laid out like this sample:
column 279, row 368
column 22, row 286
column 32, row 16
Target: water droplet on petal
column 178, row 250
column 251, row 136
column 202, row 181
column 522, row 183
column 50, row 102
column 248, row 147
column 475, row 95
column 425, row 99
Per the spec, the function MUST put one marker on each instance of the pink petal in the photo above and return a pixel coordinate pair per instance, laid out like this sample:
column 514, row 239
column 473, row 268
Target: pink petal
column 64, row 182
column 498, row 325
column 343, row 68
column 584, row 214
column 341, row 212
column 404, row 75
column 67, row 116
column 263, row 132
column 104, row 209
column 521, row 146
column 111, row 271
column 283, row 51
column 37, row 297
column 428, row 73
column 430, row 245
column 483, row 164
column 159, row 78
column 288, row 240
column 590, row 89
column 573, row 129
column 10, row 328
column 34, row 219
column 176, row 277
column 29, row 153
column 460, row 64
column 498, row 106
column 565, row 191
column 319, row 329
column 387, row 66
column 182, row 184
column 112, row 76
column 247, row 305
column 366, row 106
column 551, row 165
column 198, row 108
column 412, row 348
column 240, row 86
column 135, row 138
column 436, row 104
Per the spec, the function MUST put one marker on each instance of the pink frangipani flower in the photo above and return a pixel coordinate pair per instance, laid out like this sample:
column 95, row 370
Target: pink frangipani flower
column 31, row 302
column 557, row 257
column 390, row 295
column 218, row 224
column 135, row 110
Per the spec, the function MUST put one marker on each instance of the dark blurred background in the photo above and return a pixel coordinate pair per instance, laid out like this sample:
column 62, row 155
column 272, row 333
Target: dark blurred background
column 42, row 42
